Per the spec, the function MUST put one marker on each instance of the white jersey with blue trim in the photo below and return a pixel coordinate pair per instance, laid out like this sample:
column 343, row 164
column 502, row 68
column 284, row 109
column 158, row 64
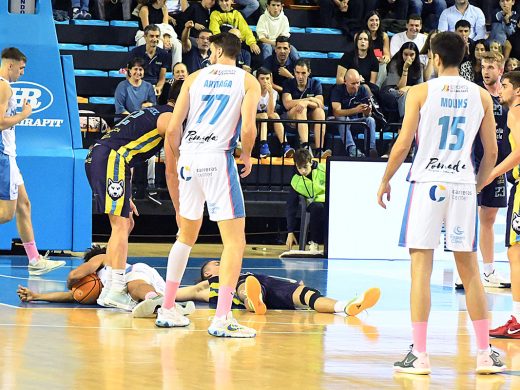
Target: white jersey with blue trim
column 450, row 119
column 214, row 117
column 7, row 140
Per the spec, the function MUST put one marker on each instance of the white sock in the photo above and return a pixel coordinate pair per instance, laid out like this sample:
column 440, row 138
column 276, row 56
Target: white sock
column 177, row 260
column 516, row 310
column 118, row 280
column 489, row 268
column 108, row 281
column 339, row 306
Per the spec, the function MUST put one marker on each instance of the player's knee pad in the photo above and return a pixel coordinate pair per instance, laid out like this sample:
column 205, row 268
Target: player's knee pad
column 312, row 297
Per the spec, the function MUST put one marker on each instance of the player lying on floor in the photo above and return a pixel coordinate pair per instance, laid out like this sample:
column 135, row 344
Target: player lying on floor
column 258, row 292
column 143, row 282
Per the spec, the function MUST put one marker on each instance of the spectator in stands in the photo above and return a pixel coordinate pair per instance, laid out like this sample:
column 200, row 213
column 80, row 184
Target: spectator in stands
column 267, row 107
column 80, row 9
column 228, row 18
column 362, row 59
column 179, row 72
column 155, row 12
column 347, row 15
column 504, row 22
column 496, row 46
column 487, row 7
column 302, row 97
column 511, row 64
column 156, row 59
column 351, row 101
column 243, row 59
column 133, row 93
column 125, row 4
column 412, row 34
column 479, row 49
column 380, row 44
column 308, row 181
column 404, row 71
column 432, row 11
column 429, row 71
column 463, row 28
column 199, row 13
column 248, row 7
column 195, row 57
column 393, row 9
column 271, row 25
column 280, row 63
column 175, row 9
column 462, row 10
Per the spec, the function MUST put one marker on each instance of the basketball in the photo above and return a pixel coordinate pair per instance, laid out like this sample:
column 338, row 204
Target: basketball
column 87, row 289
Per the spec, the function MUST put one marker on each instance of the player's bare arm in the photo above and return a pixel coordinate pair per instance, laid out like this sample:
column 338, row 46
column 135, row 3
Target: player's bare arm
column 85, row 269
column 27, row 295
column 513, row 159
column 489, row 141
column 198, row 292
column 9, row 121
column 248, row 112
column 414, row 102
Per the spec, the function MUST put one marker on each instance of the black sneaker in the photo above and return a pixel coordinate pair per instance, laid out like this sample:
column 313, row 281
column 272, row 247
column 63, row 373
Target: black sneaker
column 414, row 363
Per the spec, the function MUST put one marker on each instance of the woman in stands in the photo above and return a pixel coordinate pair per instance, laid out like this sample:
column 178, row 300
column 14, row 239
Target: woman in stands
column 362, row 59
column 380, row 44
column 480, row 48
column 404, row 71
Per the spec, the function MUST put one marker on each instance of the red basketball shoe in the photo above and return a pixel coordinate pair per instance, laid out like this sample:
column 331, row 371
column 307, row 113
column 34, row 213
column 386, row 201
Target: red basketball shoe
column 511, row 330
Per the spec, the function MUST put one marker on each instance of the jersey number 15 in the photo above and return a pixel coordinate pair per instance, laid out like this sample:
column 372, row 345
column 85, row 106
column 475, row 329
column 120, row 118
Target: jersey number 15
column 454, row 129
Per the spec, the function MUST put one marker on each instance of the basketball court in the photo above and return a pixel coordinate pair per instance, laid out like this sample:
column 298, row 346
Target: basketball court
column 58, row 346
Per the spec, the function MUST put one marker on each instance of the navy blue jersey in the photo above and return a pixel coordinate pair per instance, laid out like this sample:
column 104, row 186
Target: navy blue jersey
column 136, row 137
column 502, row 132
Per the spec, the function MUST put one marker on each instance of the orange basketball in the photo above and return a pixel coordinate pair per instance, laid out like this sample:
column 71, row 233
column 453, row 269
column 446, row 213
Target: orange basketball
column 87, row 289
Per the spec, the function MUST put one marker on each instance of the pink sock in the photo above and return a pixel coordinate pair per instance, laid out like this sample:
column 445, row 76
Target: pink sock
column 150, row 295
column 482, row 333
column 225, row 300
column 170, row 293
column 32, row 252
column 419, row 336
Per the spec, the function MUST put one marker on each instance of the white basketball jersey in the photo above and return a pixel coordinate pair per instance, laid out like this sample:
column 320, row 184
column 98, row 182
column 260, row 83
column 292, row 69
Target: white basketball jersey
column 7, row 141
column 214, row 118
column 449, row 122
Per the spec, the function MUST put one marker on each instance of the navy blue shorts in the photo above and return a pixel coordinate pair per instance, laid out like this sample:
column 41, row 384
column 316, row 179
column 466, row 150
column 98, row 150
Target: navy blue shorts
column 278, row 292
column 494, row 194
column 110, row 179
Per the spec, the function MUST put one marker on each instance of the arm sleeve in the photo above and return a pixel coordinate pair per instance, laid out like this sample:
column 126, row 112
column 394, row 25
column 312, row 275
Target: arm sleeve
column 480, row 26
column 285, row 28
column 261, row 28
column 120, row 98
column 215, row 21
column 292, row 210
column 242, row 25
column 443, row 21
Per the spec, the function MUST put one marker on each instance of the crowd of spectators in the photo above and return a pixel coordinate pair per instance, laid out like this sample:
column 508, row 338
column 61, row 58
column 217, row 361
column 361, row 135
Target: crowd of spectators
column 373, row 75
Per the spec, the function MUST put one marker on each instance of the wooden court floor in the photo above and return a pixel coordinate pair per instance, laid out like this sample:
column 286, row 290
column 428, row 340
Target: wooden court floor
column 44, row 346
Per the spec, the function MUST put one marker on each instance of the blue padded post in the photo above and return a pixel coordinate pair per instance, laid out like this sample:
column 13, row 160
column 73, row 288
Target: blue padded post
column 44, row 140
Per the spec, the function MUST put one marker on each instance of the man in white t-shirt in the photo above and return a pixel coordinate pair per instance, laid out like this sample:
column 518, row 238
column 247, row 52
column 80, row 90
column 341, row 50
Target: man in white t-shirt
column 412, row 34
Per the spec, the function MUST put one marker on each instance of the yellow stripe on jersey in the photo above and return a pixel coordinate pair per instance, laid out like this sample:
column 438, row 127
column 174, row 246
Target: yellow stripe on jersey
column 513, row 237
column 213, row 293
column 516, row 170
column 115, row 172
column 142, row 144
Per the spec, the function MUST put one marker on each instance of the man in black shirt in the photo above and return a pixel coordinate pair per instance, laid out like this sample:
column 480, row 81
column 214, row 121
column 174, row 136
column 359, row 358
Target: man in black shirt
column 157, row 60
column 195, row 57
column 198, row 12
column 280, row 63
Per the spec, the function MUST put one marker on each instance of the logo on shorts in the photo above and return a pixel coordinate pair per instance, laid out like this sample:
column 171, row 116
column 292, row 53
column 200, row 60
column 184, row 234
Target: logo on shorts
column 116, row 189
column 213, row 208
column 438, row 193
column 457, row 236
column 515, row 223
column 185, row 173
